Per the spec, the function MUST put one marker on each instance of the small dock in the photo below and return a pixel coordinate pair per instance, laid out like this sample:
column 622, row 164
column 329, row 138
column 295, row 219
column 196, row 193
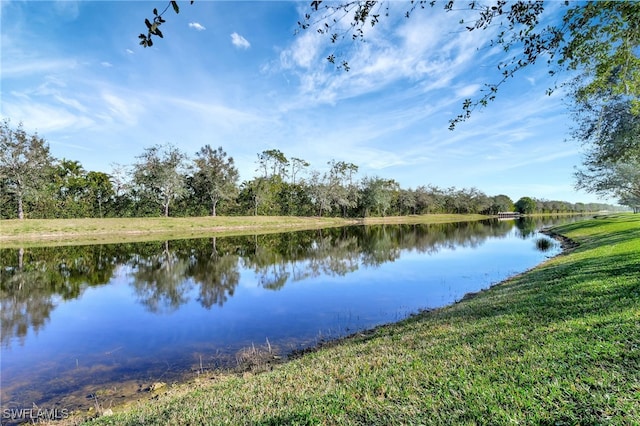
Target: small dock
column 509, row 215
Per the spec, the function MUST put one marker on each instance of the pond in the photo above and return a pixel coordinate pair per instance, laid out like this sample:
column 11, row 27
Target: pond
column 90, row 325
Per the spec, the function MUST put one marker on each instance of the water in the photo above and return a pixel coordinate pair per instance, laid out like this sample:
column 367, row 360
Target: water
column 82, row 325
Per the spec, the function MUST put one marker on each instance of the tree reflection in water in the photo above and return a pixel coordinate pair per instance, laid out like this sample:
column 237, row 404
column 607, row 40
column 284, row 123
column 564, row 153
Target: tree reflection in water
column 34, row 280
column 217, row 275
column 164, row 274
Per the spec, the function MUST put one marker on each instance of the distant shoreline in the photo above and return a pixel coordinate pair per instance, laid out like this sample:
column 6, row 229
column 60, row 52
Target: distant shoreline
column 16, row 233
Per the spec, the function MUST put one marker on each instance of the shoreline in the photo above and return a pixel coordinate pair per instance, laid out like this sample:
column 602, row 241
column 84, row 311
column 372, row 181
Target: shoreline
column 16, row 233
column 49, row 232
column 261, row 359
column 567, row 244
column 159, row 391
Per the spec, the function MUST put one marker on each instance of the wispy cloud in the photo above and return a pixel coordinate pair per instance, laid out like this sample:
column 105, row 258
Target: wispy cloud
column 303, row 52
column 120, row 108
column 197, row 26
column 388, row 115
column 422, row 51
column 467, row 90
column 240, row 42
column 35, row 66
column 68, row 9
column 46, row 118
column 219, row 113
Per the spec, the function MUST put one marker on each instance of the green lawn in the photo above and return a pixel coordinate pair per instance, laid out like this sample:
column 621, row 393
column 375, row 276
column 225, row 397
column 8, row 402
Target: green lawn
column 557, row 345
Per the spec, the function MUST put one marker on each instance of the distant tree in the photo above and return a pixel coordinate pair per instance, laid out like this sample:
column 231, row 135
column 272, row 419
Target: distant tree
column 216, row 176
column 525, row 205
column 256, row 195
column 25, row 164
column 340, row 185
column 100, row 190
column 121, row 178
column 470, row 201
column 160, row 173
column 272, row 162
column 70, row 185
column 320, row 193
column 296, row 199
column 500, row 203
column 428, row 199
column 297, row 166
column 454, row 201
column 377, row 194
column 407, row 201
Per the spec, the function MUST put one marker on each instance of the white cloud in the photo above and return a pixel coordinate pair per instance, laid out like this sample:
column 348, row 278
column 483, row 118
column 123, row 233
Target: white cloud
column 197, row 26
column 214, row 112
column 467, row 91
column 422, row 50
column 239, row 41
column 303, row 52
column 46, row 118
column 30, row 66
column 122, row 109
column 106, row 64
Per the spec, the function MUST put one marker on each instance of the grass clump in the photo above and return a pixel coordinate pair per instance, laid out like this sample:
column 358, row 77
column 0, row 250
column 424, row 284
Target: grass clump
column 557, row 345
column 544, row 244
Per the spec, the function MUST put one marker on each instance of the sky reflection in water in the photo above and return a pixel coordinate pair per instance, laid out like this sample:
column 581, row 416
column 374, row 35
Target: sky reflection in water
column 77, row 318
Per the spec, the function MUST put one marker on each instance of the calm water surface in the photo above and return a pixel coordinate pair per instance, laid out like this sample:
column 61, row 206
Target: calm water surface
column 79, row 323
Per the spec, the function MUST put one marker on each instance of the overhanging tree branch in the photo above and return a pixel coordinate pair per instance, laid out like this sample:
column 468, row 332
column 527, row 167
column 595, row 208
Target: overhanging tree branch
column 153, row 27
column 598, row 38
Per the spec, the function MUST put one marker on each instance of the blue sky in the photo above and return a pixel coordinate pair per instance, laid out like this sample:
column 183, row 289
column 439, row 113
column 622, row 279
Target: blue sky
column 235, row 74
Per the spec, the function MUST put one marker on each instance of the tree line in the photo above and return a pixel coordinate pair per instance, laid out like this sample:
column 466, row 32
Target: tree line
column 165, row 181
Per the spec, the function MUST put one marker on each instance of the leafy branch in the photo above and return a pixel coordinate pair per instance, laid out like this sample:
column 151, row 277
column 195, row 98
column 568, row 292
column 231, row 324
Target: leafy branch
column 153, row 26
column 517, row 22
column 600, row 38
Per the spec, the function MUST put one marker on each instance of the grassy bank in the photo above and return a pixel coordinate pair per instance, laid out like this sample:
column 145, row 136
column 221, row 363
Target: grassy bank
column 41, row 232
column 557, row 345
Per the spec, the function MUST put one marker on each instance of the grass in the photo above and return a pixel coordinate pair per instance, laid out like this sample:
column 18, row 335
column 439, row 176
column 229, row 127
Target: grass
column 16, row 233
column 558, row 345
